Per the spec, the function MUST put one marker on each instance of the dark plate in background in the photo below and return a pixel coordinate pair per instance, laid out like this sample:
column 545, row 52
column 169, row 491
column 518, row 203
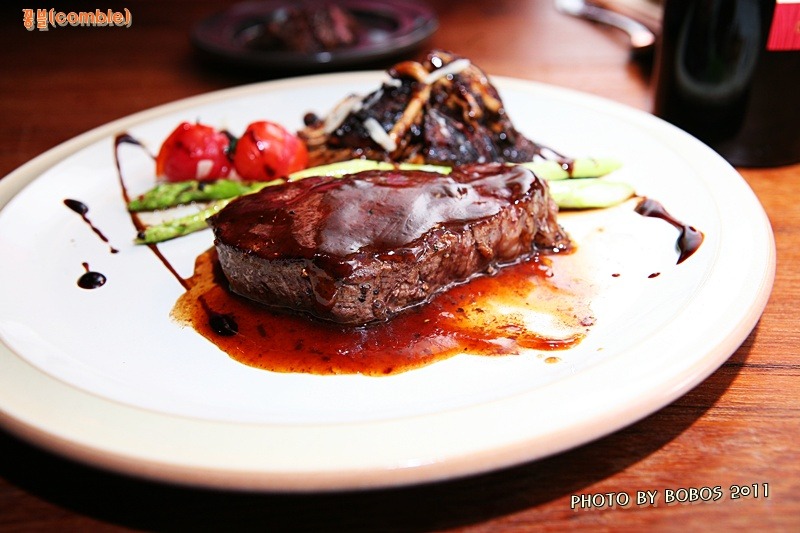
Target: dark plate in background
column 387, row 28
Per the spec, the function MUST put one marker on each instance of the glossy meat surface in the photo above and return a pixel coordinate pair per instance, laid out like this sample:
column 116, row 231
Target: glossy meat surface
column 361, row 248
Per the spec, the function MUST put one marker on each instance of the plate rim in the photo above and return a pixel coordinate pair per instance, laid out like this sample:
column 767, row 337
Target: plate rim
column 430, row 464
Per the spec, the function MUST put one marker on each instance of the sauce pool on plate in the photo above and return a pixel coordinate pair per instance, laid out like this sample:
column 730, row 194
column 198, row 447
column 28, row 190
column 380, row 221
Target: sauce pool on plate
column 487, row 316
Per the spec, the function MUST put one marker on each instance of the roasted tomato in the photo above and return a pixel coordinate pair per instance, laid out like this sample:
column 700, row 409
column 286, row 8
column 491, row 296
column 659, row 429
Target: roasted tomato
column 267, row 151
column 194, row 152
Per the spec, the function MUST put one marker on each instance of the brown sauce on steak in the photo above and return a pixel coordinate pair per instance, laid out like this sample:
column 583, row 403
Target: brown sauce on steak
column 378, row 211
column 485, row 317
column 360, row 248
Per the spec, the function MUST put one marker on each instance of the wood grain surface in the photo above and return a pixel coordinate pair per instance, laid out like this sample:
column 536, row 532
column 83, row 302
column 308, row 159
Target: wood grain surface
column 740, row 426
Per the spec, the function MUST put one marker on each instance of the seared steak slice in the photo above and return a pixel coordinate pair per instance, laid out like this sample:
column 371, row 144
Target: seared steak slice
column 442, row 111
column 362, row 248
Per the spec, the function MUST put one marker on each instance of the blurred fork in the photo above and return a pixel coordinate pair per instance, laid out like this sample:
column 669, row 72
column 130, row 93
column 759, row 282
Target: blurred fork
column 642, row 39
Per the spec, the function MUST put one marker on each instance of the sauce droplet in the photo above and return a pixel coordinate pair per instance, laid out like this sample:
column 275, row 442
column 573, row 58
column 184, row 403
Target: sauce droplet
column 91, row 279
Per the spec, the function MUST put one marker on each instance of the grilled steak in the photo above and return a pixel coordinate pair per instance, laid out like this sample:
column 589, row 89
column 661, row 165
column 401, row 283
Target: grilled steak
column 442, row 111
column 364, row 247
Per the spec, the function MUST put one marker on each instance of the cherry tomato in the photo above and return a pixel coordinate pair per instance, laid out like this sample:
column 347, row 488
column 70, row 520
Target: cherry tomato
column 267, row 151
column 194, row 152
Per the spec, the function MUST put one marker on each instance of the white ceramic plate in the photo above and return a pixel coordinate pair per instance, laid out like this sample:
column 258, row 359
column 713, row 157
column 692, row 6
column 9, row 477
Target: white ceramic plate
column 106, row 377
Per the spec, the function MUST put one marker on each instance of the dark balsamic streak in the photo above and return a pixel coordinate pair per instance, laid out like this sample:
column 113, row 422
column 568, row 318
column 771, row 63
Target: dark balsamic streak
column 82, row 209
column 689, row 240
column 125, row 138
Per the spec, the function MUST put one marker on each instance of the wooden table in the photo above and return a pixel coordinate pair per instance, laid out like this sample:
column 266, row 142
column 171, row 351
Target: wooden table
column 740, row 426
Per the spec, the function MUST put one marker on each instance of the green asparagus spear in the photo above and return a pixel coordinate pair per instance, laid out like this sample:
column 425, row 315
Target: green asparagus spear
column 360, row 165
column 165, row 195
column 178, row 227
column 589, row 193
column 577, row 168
column 341, row 168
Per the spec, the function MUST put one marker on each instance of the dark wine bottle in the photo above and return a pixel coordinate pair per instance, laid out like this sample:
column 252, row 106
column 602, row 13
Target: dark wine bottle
column 728, row 72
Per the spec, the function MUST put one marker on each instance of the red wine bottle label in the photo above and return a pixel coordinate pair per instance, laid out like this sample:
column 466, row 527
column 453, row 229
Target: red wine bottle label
column 784, row 34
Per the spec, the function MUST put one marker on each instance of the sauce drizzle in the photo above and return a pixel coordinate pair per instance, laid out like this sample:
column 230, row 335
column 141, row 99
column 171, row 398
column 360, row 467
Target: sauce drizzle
column 689, row 239
column 125, row 138
column 82, row 209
